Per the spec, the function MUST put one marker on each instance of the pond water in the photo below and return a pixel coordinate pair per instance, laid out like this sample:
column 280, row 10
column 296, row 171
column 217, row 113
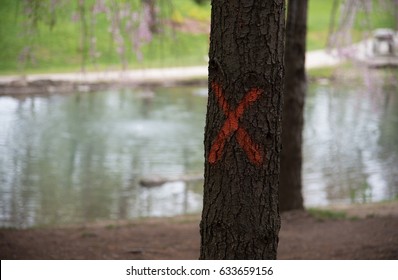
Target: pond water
column 79, row 158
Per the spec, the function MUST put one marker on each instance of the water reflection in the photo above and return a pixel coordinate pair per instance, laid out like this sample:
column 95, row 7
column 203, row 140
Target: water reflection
column 78, row 158
column 350, row 144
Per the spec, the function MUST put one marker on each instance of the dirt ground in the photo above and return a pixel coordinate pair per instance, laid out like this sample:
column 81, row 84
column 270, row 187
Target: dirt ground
column 365, row 232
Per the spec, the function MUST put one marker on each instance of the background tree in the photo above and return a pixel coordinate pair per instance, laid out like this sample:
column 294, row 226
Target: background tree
column 290, row 196
column 240, row 217
column 150, row 8
column 350, row 16
column 36, row 12
column 131, row 25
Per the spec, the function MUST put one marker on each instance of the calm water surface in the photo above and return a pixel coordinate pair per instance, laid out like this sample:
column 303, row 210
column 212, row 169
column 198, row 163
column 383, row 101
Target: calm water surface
column 79, row 158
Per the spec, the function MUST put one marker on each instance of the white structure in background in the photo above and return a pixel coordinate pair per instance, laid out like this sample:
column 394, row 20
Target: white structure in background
column 384, row 42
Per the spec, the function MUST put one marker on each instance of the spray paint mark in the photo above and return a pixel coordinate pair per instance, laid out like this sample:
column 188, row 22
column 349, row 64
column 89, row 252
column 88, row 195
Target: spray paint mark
column 231, row 126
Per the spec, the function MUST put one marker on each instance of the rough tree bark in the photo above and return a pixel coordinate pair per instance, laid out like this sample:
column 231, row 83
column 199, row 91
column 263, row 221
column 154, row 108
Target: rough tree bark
column 240, row 218
column 290, row 195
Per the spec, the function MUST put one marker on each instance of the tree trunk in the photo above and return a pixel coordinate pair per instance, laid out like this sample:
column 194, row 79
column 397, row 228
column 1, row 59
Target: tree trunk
column 153, row 21
column 240, row 218
column 293, row 111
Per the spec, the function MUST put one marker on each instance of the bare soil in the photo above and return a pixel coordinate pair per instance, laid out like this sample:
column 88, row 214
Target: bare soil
column 366, row 232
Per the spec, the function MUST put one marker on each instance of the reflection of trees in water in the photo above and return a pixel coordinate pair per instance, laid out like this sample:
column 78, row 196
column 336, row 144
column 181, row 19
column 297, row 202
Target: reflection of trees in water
column 166, row 153
column 18, row 183
column 78, row 158
column 17, row 203
column 388, row 139
column 344, row 129
column 54, row 153
column 352, row 136
column 381, row 87
column 169, row 199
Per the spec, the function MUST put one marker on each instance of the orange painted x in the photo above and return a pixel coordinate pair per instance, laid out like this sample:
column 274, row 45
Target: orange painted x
column 231, row 125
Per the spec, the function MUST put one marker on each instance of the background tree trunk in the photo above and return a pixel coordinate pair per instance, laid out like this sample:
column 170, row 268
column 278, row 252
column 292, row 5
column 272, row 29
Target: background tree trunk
column 153, row 21
column 240, row 218
column 290, row 196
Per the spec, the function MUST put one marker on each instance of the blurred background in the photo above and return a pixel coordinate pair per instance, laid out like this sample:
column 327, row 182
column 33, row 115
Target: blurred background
column 130, row 152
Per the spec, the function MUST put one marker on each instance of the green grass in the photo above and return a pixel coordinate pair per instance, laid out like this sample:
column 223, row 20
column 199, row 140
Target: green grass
column 319, row 13
column 322, row 72
column 58, row 49
column 322, row 215
column 319, row 18
column 329, row 71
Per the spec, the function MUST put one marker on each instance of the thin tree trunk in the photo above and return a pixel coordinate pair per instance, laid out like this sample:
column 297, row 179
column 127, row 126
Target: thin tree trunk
column 240, row 217
column 83, row 37
column 293, row 111
column 332, row 24
column 153, row 22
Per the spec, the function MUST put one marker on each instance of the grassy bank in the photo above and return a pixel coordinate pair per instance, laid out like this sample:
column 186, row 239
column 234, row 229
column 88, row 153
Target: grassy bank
column 59, row 49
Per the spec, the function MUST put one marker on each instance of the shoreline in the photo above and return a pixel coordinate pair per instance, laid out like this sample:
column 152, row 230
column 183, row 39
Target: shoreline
column 355, row 211
column 50, row 83
column 303, row 235
column 46, row 84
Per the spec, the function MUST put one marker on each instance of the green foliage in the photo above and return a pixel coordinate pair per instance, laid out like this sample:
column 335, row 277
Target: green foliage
column 320, row 17
column 59, row 48
column 56, row 45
